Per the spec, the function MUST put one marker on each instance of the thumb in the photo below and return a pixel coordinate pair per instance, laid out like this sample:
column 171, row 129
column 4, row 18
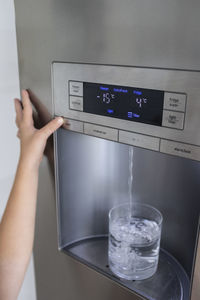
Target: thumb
column 52, row 126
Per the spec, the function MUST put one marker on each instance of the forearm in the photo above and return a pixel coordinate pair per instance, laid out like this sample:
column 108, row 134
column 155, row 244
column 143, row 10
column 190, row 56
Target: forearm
column 17, row 228
column 18, row 223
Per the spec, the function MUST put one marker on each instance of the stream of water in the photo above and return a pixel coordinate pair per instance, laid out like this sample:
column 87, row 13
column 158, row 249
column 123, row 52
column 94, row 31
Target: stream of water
column 130, row 180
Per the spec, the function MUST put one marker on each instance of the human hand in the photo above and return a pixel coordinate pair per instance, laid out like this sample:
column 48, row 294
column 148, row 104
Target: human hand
column 32, row 140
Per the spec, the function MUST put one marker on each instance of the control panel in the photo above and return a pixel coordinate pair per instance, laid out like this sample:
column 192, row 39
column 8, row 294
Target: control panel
column 149, row 108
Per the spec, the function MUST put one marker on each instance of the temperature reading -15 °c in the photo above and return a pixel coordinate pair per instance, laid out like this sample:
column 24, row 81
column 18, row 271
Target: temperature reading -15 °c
column 106, row 97
column 141, row 101
column 134, row 104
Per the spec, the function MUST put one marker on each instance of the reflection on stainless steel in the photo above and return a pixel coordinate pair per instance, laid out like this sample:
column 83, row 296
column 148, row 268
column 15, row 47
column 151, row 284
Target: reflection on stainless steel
column 170, row 274
column 43, row 114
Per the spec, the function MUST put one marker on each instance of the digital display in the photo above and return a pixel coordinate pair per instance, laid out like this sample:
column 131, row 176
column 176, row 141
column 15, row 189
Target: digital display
column 128, row 103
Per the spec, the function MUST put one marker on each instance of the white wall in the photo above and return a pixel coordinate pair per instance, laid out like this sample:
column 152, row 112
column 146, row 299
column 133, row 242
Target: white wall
column 9, row 144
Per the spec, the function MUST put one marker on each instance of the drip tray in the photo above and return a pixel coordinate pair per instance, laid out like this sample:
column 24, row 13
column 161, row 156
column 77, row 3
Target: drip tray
column 170, row 282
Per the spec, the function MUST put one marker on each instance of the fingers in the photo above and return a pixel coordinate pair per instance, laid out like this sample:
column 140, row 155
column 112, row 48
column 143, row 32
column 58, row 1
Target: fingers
column 51, row 127
column 66, row 124
column 27, row 107
column 18, row 109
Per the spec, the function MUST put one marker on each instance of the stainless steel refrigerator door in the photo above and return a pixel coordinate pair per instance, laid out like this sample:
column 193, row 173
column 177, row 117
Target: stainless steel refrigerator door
column 161, row 34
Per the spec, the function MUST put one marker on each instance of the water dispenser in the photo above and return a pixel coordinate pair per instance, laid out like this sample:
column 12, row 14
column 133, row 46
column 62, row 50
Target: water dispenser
column 111, row 108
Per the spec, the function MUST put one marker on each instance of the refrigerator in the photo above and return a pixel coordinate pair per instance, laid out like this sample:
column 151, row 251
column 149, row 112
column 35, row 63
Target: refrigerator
column 151, row 45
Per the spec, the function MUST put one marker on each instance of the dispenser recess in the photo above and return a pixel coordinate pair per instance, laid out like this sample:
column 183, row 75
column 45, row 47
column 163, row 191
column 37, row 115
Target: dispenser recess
column 109, row 108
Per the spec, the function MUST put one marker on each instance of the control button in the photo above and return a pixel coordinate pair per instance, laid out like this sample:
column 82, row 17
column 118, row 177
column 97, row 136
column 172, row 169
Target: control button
column 76, row 88
column 173, row 119
column 174, row 101
column 180, row 149
column 101, row 131
column 76, row 103
column 75, row 125
column 139, row 140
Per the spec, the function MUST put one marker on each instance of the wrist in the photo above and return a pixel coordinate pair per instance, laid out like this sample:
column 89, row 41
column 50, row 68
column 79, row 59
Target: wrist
column 28, row 165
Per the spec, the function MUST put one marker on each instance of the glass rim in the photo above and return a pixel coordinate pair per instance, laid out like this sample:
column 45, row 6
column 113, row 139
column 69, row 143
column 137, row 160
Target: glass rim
column 139, row 204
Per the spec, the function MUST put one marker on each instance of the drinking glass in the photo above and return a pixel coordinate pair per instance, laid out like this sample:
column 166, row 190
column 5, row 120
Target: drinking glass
column 134, row 240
